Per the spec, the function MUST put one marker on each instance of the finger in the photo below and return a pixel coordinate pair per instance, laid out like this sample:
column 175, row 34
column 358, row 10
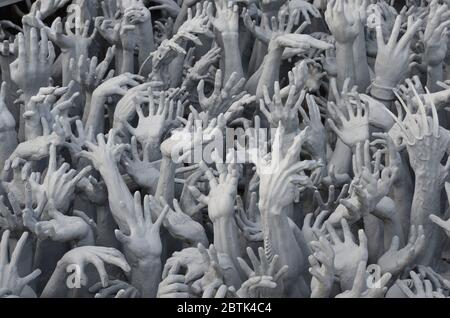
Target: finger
column 100, row 266
column 4, row 248
column 161, row 217
column 18, row 249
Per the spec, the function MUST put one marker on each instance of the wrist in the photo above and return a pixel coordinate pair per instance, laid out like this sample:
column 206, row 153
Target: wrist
column 426, row 180
column 98, row 98
column 153, row 142
column 230, row 42
column 274, row 49
column 344, row 46
column 222, row 217
column 107, row 167
column 269, row 209
column 151, row 261
column 385, row 210
column 230, row 35
column 129, row 48
column 382, row 89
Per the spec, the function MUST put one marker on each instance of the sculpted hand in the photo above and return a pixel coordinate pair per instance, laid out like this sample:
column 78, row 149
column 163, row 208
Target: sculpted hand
column 118, row 85
column 344, row 23
column 347, row 253
column 422, row 288
column 89, row 73
column 395, row 260
column 38, row 148
column 312, row 231
column 352, row 127
column 143, row 240
column 174, row 284
column 21, row 170
column 63, row 228
column 200, row 70
column 105, row 153
column 34, row 61
column 266, row 277
column 435, row 35
column 223, row 190
column 160, row 119
column 359, row 287
column 7, row 121
column 115, row 289
column 276, row 112
column 179, row 224
column 322, row 268
column 11, row 283
column 134, row 166
column 392, row 60
column 197, row 24
column 170, row 6
column 305, row 8
column 222, row 97
column 96, row 255
column 59, row 183
column 252, row 229
column 11, row 220
column 283, row 177
column 180, row 145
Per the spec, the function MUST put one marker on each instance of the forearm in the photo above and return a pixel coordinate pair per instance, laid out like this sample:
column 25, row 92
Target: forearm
column 8, row 143
column 56, row 287
column 373, row 229
column 67, row 75
column 147, row 44
column 128, row 61
column 361, row 65
column 182, row 15
column 177, row 64
column 345, row 63
column 87, row 106
column 96, row 117
column 226, row 237
column 5, row 69
column 391, row 225
column 280, row 240
column 256, row 59
column 403, row 192
column 145, row 276
column 341, row 158
column 434, row 74
column 118, row 59
column 165, row 186
column 300, row 238
column 251, row 86
column 427, row 201
column 11, row 96
column 105, row 227
column 232, row 55
column 118, row 193
column 270, row 71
